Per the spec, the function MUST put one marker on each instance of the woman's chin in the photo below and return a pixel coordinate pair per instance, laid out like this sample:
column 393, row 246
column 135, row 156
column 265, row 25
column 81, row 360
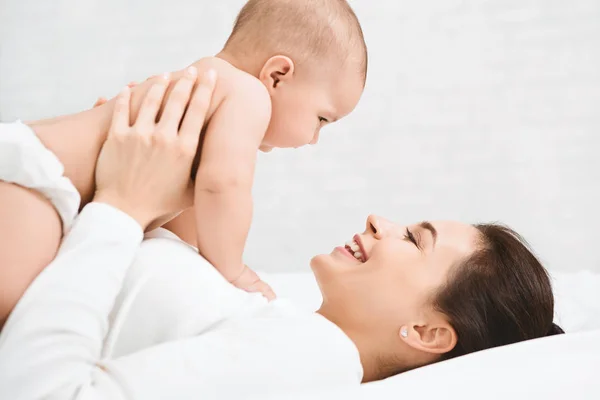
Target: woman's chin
column 336, row 261
column 323, row 266
column 327, row 267
column 317, row 262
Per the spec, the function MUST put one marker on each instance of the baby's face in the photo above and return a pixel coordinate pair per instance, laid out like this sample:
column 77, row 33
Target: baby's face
column 303, row 106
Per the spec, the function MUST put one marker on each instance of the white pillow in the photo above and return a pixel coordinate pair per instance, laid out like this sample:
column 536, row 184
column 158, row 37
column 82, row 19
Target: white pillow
column 557, row 367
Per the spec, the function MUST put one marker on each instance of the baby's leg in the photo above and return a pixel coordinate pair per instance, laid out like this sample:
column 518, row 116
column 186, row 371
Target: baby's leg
column 30, row 233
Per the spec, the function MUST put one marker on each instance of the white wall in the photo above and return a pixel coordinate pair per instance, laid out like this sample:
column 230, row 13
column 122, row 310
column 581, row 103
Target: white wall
column 474, row 110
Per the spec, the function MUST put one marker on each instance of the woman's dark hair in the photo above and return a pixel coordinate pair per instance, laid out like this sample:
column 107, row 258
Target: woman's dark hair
column 500, row 294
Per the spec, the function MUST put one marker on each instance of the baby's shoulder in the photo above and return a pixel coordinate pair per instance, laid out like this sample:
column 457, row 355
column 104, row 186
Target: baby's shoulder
column 233, row 82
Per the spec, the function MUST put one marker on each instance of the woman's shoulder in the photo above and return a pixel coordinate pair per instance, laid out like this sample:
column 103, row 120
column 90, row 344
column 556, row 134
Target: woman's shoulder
column 170, row 292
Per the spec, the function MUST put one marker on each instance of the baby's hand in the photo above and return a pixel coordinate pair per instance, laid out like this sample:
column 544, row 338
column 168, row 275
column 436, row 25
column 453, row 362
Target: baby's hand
column 251, row 282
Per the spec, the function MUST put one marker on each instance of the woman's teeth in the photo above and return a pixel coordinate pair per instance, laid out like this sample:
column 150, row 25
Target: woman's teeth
column 354, row 249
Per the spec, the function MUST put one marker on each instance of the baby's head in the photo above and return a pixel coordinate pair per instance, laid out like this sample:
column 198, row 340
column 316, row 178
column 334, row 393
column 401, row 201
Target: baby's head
column 311, row 56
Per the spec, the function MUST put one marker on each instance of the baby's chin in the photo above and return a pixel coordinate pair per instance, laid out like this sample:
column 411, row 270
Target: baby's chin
column 265, row 148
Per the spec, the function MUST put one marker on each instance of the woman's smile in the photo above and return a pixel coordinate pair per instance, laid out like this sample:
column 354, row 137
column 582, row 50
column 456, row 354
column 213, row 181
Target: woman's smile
column 347, row 252
column 354, row 249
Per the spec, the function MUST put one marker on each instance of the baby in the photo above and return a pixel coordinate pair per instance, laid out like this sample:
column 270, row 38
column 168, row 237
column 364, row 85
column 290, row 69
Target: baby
column 289, row 68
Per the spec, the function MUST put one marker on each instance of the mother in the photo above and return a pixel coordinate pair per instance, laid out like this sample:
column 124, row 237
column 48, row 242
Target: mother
column 108, row 319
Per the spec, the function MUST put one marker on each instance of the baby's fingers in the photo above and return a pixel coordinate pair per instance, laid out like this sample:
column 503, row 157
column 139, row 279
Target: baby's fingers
column 263, row 288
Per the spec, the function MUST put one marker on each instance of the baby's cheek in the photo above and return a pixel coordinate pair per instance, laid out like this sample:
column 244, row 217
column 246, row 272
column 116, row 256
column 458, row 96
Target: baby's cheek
column 304, row 133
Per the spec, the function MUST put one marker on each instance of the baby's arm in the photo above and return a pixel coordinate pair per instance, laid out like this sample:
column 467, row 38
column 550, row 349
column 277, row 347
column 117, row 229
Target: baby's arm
column 223, row 190
column 184, row 226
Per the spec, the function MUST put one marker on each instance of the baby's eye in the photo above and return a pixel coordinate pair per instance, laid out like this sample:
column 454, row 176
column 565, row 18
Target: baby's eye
column 321, row 119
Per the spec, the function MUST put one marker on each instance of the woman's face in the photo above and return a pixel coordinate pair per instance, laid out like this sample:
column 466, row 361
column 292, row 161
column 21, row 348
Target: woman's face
column 390, row 285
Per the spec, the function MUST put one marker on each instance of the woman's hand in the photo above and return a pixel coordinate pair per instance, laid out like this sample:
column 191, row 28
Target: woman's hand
column 144, row 169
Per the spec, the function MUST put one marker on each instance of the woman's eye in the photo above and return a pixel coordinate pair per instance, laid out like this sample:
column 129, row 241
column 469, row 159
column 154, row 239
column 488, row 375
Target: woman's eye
column 321, row 119
column 409, row 236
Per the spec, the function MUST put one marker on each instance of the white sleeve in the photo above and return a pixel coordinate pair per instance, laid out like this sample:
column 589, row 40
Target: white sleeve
column 52, row 341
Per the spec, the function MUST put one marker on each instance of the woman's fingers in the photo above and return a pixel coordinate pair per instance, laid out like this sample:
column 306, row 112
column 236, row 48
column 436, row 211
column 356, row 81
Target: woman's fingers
column 120, row 120
column 197, row 109
column 151, row 105
column 145, row 175
column 177, row 102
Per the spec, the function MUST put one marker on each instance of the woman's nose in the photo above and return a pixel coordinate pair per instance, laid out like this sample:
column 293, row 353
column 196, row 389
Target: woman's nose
column 381, row 227
column 374, row 226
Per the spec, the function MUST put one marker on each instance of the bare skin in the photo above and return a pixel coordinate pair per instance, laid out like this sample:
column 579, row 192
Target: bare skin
column 28, row 219
column 382, row 300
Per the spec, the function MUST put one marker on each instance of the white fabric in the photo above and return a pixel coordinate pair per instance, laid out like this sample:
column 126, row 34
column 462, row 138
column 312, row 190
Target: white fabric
column 171, row 292
column 558, row 367
column 52, row 344
column 25, row 161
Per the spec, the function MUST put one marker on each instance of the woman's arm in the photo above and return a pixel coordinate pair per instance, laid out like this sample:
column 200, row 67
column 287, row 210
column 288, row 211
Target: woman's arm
column 51, row 344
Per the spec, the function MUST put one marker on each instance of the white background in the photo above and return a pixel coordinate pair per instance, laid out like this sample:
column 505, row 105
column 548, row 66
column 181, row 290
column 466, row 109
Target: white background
column 474, row 110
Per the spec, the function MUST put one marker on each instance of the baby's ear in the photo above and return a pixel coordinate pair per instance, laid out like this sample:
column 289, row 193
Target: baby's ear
column 277, row 70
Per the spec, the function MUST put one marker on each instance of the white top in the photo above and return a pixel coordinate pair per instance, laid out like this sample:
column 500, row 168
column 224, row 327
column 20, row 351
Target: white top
column 227, row 343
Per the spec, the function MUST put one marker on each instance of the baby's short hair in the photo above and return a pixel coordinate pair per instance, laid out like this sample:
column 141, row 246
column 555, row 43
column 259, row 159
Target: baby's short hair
column 304, row 30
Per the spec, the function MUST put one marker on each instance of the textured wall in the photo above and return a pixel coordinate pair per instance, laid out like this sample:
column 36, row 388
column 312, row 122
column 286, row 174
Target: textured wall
column 474, row 110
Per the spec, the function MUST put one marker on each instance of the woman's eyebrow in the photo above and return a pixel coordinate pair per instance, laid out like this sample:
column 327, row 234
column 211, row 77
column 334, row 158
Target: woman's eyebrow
column 427, row 225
